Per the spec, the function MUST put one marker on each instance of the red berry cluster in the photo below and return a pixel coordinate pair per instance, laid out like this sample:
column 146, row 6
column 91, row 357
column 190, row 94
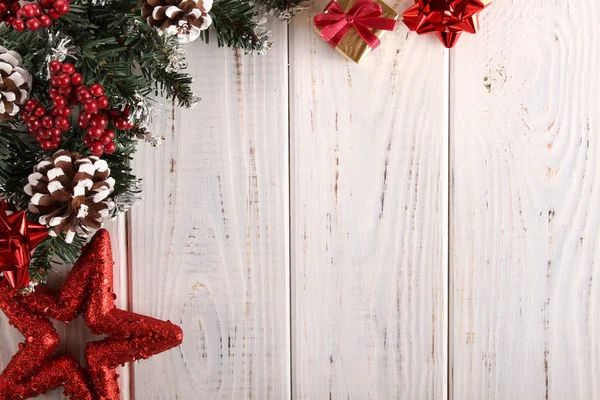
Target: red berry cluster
column 67, row 90
column 46, row 126
column 32, row 15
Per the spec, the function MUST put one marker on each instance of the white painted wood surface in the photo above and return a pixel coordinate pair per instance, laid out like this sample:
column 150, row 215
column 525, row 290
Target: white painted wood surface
column 209, row 241
column 368, row 211
column 525, row 263
column 296, row 222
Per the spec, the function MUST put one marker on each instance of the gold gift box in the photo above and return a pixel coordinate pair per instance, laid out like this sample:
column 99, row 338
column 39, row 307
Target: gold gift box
column 352, row 45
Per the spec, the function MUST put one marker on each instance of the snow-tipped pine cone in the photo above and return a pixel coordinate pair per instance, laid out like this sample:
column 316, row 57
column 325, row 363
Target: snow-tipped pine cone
column 15, row 84
column 184, row 18
column 71, row 193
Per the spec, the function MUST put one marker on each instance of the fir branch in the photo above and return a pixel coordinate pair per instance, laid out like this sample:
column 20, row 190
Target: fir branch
column 284, row 9
column 52, row 252
column 235, row 26
column 18, row 155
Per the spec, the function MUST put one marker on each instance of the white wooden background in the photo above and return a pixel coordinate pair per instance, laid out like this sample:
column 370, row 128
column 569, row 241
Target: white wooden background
column 421, row 226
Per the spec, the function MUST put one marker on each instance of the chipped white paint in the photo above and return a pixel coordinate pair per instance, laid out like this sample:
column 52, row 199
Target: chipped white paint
column 209, row 241
column 525, row 260
column 368, row 196
column 364, row 219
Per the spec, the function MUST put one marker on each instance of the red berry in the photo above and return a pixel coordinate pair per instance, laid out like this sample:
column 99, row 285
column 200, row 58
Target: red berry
column 97, row 148
column 33, row 24
column 85, row 116
column 37, row 10
column 55, row 132
column 102, row 102
column 90, row 106
column 65, row 91
column 97, row 90
column 46, row 144
column 83, row 94
column 99, row 121
column 110, row 148
column 18, row 25
column 62, row 123
column 105, row 139
column 43, row 133
column 55, row 141
column 55, row 81
column 114, row 113
column 30, row 105
column 61, row 7
column 59, row 101
column 109, row 133
column 65, row 112
column 64, row 80
column 53, row 14
column 45, row 20
column 87, row 140
column 55, row 66
column 39, row 111
column 95, row 132
column 76, row 79
column 28, row 11
column 68, row 68
column 47, row 121
column 120, row 123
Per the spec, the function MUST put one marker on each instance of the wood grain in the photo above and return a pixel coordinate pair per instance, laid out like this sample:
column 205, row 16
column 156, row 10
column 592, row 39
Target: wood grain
column 525, row 204
column 75, row 335
column 210, row 239
column 369, row 217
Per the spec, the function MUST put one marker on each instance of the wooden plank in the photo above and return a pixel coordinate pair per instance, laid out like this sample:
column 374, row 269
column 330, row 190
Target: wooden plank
column 76, row 334
column 526, row 204
column 209, row 241
column 369, row 217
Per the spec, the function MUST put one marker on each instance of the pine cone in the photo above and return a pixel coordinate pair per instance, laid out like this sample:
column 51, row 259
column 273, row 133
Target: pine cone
column 71, row 194
column 15, row 84
column 184, row 18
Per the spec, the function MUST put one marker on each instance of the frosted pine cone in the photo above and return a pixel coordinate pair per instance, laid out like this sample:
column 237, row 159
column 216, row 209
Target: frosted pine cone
column 184, row 18
column 15, row 84
column 71, row 194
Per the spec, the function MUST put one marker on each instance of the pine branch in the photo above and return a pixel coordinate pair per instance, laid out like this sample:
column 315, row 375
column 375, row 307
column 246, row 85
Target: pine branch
column 284, row 9
column 52, row 252
column 235, row 25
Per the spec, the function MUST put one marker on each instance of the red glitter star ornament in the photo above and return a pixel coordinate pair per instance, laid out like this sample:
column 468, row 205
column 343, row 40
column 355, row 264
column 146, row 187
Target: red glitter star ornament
column 18, row 237
column 88, row 290
column 447, row 18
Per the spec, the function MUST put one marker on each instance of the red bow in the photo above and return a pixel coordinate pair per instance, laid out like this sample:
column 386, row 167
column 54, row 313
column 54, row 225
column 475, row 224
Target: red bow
column 363, row 16
column 17, row 238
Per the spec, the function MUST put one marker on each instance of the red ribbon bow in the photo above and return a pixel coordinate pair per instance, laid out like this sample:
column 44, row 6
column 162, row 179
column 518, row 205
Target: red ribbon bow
column 17, row 238
column 363, row 16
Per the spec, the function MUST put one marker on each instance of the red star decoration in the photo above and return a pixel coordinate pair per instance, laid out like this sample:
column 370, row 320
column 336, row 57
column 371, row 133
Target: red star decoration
column 447, row 18
column 17, row 238
column 88, row 290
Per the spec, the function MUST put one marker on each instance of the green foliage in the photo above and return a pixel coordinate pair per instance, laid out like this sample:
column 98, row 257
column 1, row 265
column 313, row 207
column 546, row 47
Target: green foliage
column 53, row 251
column 285, row 9
column 235, row 26
column 109, row 43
